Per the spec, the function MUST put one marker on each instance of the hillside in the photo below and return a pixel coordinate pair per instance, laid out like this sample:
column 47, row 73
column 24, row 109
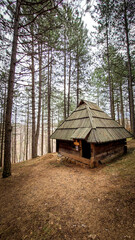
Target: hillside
column 45, row 199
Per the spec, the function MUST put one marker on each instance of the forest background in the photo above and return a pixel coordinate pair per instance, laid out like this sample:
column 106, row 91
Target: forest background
column 49, row 61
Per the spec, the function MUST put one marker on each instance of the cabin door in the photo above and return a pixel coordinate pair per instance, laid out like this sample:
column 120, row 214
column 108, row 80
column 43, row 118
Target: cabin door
column 86, row 150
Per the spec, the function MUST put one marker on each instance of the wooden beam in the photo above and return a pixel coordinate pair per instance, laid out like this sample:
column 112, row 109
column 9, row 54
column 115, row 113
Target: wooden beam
column 77, row 158
column 92, row 159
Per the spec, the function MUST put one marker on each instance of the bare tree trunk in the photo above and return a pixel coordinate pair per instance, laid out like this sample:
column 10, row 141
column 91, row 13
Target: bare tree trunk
column 78, row 75
column 39, row 98
column 34, row 154
column 130, row 79
column 64, row 74
column 69, row 83
column 2, row 131
column 20, row 158
column 42, row 135
column 24, row 143
column 49, row 99
column 1, row 142
column 15, row 136
column 121, row 107
column 27, row 132
column 118, row 112
column 52, row 130
column 12, row 145
column 8, row 129
column 1, row 121
column 109, row 78
column 29, row 147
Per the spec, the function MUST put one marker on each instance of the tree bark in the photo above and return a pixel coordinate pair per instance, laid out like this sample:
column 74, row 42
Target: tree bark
column 42, row 135
column 69, row 83
column 49, row 99
column 2, row 131
column 121, row 107
column 130, row 79
column 20, row 157
column 12, row 145
column 15, row 136
column 64, row 74
column 1, row 122
column 24, row 143
column 8, row 129
column 39, row 98
column 52, row 130
column 34, row 153
column 109, row 77
column 27, row 131
column 118, row 112
column 1, row 142
column 78, row 74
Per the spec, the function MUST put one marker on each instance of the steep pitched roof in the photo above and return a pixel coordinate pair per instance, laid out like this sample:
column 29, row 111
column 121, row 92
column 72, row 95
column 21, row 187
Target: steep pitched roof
column 89, row 122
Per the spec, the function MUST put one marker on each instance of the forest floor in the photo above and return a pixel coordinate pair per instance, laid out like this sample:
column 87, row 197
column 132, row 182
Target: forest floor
column 45, row 199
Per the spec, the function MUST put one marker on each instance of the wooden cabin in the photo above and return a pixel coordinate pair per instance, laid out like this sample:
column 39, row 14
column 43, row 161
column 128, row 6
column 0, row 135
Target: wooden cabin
column 90, row 136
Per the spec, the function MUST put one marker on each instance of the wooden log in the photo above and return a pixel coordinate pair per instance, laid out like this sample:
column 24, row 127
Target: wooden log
column 80, row 148
column 100, row 156
column 72, row 151
column 100, row 148
column 108, row 154
column 77, row 158
column 92, row 162
column 112, row 156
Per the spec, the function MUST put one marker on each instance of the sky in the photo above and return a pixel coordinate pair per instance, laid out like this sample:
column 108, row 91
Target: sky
column 86, row 17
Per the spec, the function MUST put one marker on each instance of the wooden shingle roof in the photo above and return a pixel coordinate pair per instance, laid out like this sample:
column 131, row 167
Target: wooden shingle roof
column 89, row 122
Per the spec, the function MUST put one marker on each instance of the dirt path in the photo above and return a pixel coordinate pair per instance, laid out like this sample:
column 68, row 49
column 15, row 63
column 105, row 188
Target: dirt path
column 44, row 199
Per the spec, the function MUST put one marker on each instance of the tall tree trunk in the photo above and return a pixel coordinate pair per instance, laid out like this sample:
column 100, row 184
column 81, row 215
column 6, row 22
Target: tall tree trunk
column 1, row 124
column 2, row 131
column 8, row 129
column 15, row 136
column 27, row 131
column 69, row 83
column 12, row 145
column 1, row 121
column 64, row 74
column 1, row 142
column 20, row 157
column 130, row 79
column 52, row 130
column 118, row 112
column 24, row 143
column 39, row 98
column 42, row 134
column 34, row 153
column 78, row 74
column 109, row 77
column 49, row 99
column 30, row 145
column 121, row 107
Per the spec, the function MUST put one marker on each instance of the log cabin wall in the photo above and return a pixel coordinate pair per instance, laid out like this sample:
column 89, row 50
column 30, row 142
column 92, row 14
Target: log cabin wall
column 68, row 147
column 108, row 151
column 99, row 152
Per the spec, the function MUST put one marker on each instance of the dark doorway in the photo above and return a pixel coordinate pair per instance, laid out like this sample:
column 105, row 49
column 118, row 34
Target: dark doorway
column 86, row 150
column 57, row 145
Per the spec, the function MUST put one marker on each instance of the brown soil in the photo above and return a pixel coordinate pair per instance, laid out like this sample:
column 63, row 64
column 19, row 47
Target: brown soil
column 45, row 199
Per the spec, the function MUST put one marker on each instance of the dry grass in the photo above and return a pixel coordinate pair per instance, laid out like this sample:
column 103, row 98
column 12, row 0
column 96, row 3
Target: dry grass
column 44, row 199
